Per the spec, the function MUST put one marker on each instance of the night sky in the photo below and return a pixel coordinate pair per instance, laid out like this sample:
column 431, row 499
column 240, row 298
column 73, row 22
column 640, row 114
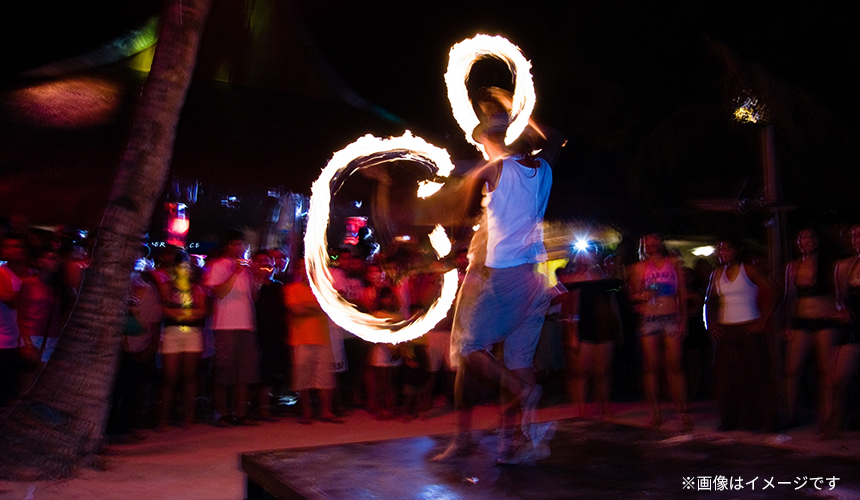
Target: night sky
column 643, row 90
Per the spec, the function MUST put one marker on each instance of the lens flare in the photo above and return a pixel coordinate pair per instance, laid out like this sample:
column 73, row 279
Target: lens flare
column 460, row 60
column 365, row 152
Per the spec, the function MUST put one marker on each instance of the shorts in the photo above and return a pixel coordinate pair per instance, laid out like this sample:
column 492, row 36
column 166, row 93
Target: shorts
column 50, row 346
column 237, row 357
column 176, row 339
column 815, row 324
column 313, row 367
column 665, row 324
column 495, row 305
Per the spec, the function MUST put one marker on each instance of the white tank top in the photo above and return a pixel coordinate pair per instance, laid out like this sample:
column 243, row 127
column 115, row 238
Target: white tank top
column 738, row 298
column 515, row 212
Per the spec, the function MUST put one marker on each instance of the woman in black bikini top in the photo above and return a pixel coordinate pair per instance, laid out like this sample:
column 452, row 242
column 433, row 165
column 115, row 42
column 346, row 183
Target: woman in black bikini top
column 811, row 316
column 847, row 355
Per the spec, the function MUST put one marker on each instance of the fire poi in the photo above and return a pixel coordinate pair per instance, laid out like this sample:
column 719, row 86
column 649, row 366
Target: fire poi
column 460, row 60
column 370, row 150
column 362, row 153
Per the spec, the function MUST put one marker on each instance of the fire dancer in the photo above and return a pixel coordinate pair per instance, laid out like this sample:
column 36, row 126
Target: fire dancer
column 503, row 297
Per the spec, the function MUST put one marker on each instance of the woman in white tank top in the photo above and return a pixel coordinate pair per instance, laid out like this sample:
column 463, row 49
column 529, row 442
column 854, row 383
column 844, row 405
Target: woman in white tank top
column 739, row 305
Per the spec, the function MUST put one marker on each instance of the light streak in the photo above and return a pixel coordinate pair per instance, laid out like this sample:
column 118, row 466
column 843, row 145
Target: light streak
column 364, row 152
column 460, row 60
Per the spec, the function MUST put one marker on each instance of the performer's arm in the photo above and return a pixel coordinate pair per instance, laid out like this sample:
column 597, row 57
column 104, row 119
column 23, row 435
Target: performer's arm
column 460, row 198
column 555, row 142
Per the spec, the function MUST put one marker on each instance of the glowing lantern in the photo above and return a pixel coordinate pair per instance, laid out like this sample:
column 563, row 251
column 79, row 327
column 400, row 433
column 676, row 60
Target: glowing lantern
column 177, row 224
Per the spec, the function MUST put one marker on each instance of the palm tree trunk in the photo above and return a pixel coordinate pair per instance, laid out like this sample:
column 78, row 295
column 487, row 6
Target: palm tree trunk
column 59, row 425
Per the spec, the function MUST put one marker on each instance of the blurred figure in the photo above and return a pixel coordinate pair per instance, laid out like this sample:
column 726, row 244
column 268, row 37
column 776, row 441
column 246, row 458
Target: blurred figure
column 281, row 262
column 140, row 341
column 75, row 263
column 508, row 298
column 657, row 288
column 12, row 273
column 375, row 281
column 438, row 341
column 271, row 330
column 237, row 353
column 385, row 360
column 742, row 371
column 313, row 361
column 165, row 263
column 40, row 312
column 843, row 364
column 416, row 375
column 347, row 276
column 592, row 321
column 350, row 370
column 811, row 318
column 185, row 307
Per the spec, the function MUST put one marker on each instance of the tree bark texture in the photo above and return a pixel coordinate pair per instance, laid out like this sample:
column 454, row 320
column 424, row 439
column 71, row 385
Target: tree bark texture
column 59, row 425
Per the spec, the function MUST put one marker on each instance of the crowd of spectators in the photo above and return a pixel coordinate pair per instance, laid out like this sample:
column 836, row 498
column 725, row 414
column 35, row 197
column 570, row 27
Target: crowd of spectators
column 240, row 339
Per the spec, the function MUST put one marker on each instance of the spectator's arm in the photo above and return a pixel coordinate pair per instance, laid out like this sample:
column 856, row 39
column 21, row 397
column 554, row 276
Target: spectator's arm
column 8, row 294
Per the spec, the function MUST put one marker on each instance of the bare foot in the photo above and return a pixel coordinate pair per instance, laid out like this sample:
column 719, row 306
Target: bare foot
column 608, row 415
column 459, row 447
column 529, row 452
column 656, row 422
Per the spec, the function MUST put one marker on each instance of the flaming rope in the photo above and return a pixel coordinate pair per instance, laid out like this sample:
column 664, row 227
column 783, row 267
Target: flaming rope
column 366, row 151
column 460, row 60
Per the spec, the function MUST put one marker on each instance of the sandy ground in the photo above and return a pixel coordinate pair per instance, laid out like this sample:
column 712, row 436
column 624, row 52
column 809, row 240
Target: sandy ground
column 203, row 462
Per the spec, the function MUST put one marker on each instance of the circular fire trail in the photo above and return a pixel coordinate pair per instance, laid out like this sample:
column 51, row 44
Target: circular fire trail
column 365, row 152
column 460, row 60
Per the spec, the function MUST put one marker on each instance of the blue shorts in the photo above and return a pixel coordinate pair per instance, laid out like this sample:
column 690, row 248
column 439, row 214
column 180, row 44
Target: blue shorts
column 660, row 324
column 495, row 305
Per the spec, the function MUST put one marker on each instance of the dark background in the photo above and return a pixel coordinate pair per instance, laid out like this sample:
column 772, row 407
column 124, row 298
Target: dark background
column 643, row 90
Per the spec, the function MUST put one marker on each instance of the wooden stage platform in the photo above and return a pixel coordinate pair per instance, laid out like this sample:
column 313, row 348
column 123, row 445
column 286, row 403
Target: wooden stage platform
column 589, row 460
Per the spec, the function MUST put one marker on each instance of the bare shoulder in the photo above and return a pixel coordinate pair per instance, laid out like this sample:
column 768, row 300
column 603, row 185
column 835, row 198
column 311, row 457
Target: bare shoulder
column 490, row 173
column 752, row 270
column 845, row 264
column 716, row 274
